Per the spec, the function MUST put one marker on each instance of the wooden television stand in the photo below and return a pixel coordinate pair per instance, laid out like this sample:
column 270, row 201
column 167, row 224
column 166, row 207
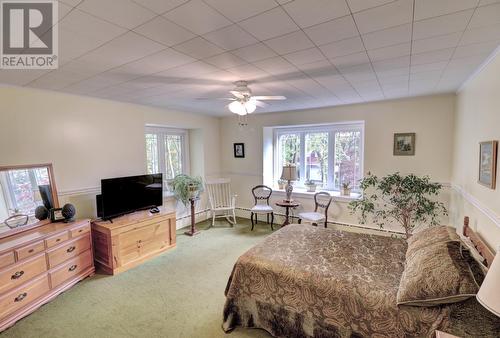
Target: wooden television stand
column 132, row 239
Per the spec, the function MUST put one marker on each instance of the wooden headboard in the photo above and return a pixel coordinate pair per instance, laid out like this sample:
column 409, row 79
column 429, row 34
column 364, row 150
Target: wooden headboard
column 481, row 246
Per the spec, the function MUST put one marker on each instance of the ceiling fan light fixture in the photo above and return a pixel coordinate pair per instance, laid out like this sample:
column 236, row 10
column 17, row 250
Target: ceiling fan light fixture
column 242, row 108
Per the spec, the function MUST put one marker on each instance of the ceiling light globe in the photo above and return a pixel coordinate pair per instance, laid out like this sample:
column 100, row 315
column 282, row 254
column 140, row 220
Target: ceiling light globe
column 237, row 108
column 250, row 106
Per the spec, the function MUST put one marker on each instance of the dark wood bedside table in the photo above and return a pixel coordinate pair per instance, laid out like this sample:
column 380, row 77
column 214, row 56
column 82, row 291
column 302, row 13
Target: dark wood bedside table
column 287, row 205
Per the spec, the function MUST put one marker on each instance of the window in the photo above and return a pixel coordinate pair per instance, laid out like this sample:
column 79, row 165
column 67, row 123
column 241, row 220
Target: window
column 166, row 152
column 328, row 155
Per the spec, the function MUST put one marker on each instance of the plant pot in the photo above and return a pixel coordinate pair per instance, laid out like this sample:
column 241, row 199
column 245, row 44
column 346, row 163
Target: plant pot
column 193, row 191
column 311, row 188
column 346, row 191
column 281, row 186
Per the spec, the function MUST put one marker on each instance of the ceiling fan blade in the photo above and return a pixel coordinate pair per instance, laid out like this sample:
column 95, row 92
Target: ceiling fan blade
column 269, row 97
column 216, row 98
column 261, row 104
column 237, row 94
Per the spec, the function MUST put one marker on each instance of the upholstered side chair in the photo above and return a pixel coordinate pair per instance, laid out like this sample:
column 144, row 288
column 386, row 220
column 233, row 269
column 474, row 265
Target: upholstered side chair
column 261, row 195
column 322, row 201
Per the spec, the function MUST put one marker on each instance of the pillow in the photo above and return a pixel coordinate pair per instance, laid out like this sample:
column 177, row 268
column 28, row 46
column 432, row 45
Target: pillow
column 436, row 274
column 429, row 236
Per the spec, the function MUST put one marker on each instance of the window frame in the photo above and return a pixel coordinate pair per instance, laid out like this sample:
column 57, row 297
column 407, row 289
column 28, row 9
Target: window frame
column 161, row 133
column 331, row 129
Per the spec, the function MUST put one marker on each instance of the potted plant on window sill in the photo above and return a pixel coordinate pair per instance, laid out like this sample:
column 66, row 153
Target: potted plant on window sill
column 346, row 188
column 281, row 184
column 310, row 186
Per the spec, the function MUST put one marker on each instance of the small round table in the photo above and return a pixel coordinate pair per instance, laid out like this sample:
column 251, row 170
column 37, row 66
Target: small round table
column 287, row 205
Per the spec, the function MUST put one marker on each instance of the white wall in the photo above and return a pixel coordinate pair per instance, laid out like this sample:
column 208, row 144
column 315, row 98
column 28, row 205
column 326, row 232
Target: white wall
column 88, row 139
column 431, row 118
column 477, row 119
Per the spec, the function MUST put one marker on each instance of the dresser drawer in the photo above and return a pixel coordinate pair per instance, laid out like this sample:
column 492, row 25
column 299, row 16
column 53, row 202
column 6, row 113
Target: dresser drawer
column 56, row 239
column 22, row 296
column 83, row 229
column 29, row 250
column 6, row 259
column 68, row 250
column 70, row 269
column 20, row 273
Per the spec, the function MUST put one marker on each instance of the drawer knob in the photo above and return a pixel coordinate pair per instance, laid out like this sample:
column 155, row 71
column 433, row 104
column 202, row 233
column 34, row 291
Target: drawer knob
column 17, row 275
column 72, row 268
column 20, row 297
column 71, row 249
column 31, row 250
column 58, row 240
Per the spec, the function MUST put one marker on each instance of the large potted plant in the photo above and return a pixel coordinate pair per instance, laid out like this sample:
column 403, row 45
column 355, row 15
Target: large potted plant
column 407, row 200
column 185, row 187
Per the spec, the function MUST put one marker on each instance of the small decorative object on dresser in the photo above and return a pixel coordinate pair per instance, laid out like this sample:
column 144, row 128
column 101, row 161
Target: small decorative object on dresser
column 132, row 239
column 56, row 215
column 404, row 144
column 239, row 150
column 41, row 213
column 488, row 163
column 68, row 212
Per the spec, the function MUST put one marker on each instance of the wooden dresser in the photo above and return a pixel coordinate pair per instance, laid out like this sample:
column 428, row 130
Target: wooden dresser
column 37, row 265
column 130, row 240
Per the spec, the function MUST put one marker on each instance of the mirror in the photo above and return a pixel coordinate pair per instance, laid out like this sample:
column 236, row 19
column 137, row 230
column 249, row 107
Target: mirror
column 22, row 190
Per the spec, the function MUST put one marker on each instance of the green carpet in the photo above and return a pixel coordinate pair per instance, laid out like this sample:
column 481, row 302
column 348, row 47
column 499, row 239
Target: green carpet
column 178, row 294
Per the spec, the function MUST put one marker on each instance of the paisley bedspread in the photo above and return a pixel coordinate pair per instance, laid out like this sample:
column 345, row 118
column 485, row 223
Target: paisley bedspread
column 305, row 281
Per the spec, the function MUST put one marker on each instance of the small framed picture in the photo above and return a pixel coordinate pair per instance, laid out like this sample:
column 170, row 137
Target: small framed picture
column 404, row 144
column 239, row 150
column 56, row 215
column 488, row 163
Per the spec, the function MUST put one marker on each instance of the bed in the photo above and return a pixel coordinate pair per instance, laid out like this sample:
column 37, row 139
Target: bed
column 305, row 281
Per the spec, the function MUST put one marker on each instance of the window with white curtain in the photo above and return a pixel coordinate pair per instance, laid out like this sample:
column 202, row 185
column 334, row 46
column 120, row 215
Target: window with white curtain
column 166, row 151
column 328, row 155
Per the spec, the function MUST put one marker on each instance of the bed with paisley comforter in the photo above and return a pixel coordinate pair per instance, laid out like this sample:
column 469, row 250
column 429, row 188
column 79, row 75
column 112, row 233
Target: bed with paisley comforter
column 305, row 281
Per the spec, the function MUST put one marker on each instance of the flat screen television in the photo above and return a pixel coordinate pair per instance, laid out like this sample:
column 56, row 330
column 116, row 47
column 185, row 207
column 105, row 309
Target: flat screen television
column 123, row 195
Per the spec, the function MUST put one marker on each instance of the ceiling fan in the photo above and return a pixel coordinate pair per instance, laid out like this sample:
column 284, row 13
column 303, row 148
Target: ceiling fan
column 243, row 101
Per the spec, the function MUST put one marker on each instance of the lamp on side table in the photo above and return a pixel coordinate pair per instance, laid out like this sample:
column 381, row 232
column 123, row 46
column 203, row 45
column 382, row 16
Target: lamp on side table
column 289, row 174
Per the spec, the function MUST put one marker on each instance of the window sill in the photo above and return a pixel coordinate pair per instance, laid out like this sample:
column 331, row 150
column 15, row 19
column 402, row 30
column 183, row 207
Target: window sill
column 303, row 193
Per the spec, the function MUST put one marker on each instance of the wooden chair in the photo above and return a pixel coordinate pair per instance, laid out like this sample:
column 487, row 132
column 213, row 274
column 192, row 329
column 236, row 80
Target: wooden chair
column 262, row 193
column 222, row 202
column 322, row 200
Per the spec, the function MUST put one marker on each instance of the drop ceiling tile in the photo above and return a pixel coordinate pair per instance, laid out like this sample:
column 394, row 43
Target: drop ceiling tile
column 240, row 10
column 248, row 72
column 392, row 14
column 56, row 79
column 435, row 43
column 431, row 57
column 360, row 5
column 197, row 17
column 318, row 68
column 483, row 34
column 357, row 76
column 425, row 9
column 230, row 37
column 277, row 66
column 389, row 52
column 199, row 48
column 187, row 72
column 478, row 48
column 468, row 63
column 432, row 75
column 394, row 80
column 255, row 52
column 385, row 72
column 390, row 64
column 288, row 43
column 441, row 25
column 333, row 30
column 71, row 3
column 269, row 24
column 343, row 47
column 387, row 37
column 427, row 67
column 305, row 56
column 126, row 48
column 350, row 60
column 20, row 77
column 160, row 6
column 225, row 60
column 307, row 13
column 488, row 2
column 485, row 16
column 124, row 13
column 163, row 31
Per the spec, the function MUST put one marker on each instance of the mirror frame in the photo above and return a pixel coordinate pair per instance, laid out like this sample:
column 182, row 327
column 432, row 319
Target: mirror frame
column 52, row 187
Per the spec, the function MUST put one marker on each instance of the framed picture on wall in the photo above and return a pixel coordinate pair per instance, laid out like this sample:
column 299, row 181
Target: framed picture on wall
column 488, row 163
column 404, row 144
column 239, row 150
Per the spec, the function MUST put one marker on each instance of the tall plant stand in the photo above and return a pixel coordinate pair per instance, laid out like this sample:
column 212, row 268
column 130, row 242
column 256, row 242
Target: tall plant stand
column 193, row 231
